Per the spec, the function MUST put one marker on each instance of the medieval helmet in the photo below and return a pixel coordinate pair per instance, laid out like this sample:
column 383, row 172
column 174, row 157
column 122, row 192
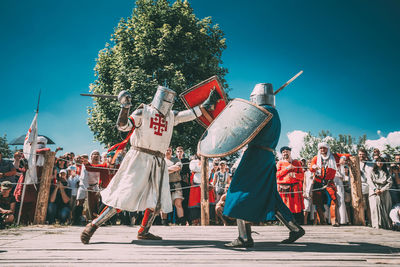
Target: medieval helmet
column 263, row 94
column 163, row 100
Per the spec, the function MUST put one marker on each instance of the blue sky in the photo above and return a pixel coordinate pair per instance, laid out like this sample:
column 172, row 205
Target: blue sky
column 349, row 51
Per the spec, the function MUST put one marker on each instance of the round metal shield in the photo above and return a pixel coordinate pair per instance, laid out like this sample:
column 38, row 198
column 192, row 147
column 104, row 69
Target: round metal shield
column 234, row 128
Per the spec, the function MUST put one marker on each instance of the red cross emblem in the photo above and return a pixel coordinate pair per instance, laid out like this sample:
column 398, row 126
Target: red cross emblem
column 159, row 124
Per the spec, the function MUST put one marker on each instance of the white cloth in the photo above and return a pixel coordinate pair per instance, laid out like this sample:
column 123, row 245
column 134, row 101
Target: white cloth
column 87, row 181
column 329, row 159
column 135, row 186
column 366, row 170
column 30, row 145
column 73, row 182
column 308, row 185
column 195, row 167
column 338, row 180
column 40, row 157
column 394, row 214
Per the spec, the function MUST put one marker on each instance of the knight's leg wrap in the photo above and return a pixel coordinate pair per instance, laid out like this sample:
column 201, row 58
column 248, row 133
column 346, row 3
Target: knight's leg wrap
column 244, row 230
column 144, row 227
column 296, row 231
column 244, row 240
column 147, row 222
column 104, row 216
column 90, row 228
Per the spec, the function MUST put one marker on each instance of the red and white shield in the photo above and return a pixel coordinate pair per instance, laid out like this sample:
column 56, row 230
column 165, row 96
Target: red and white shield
column 197, row 94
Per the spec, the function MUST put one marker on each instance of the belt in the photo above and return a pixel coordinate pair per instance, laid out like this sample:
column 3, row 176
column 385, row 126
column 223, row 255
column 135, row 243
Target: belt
column 149, row 151
column 264, row 148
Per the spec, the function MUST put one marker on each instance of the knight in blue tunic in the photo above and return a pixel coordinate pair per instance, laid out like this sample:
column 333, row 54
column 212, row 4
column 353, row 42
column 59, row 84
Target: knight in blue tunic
column 253, row 195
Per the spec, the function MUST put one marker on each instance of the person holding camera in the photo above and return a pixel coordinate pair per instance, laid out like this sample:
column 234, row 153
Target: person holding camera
column 59, row 203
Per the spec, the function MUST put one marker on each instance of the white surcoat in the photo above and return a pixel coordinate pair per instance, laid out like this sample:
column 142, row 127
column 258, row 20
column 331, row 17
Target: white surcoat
column 135, row 186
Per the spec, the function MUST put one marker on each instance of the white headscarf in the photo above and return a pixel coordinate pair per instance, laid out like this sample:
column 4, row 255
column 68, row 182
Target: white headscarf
column 329, row 158
column 91, row 154
column 41, row 139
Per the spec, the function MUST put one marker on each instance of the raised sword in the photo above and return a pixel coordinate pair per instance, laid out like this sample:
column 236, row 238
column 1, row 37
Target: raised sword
column 288, row 82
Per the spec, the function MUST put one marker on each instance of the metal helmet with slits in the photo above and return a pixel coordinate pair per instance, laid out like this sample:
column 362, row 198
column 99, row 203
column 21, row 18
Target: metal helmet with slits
column 263, row 94
column 163, row 100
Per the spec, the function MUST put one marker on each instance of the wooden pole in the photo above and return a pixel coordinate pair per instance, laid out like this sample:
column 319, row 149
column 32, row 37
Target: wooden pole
column 356, row 192
column 205, row 205
column 44, row 189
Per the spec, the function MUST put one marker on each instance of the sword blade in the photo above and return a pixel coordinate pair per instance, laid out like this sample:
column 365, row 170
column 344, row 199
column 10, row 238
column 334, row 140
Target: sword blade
column 101, row 96
column 288, row 82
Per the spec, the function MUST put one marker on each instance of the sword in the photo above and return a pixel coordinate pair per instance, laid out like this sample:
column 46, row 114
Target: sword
column 288, row 82
column 101, row 96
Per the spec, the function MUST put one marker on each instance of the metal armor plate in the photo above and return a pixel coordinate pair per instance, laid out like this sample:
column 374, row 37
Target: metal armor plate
column 197, row 94
column 234, row 128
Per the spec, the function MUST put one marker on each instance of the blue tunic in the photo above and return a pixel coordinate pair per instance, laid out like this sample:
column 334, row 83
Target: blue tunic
column 253, row 195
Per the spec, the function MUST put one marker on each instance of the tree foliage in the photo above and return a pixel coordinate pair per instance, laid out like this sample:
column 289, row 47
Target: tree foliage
column 4, row 148
column 344, row 143
column 160, row 44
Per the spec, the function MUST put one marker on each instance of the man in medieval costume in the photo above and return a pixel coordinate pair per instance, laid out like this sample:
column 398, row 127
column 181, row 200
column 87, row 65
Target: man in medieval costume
column 323, row 166
column 142, row 181
column 253, row 195
column 290, row 176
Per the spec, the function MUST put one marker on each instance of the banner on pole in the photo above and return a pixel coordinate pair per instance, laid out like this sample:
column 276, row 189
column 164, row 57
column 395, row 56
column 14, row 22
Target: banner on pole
column 30, row 146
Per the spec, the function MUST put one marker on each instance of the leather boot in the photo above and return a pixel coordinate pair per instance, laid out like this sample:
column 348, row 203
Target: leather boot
column 148, row 236
column 296, row 231
column 244, row 240
column 143, row 233
column 88, row 232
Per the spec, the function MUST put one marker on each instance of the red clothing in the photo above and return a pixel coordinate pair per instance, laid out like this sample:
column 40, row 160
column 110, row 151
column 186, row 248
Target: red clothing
column 105, row 173
column 290, row 184
column 327, row 174
column 195, row 195
column 292, row 176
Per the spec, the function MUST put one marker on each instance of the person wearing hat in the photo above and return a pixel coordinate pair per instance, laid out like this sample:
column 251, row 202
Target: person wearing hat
column 289, row 176
column 324, row 167
column 7, row 204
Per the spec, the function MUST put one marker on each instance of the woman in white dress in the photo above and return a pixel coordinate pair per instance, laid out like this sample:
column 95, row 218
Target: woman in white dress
column 379, row 182
column 339, row 178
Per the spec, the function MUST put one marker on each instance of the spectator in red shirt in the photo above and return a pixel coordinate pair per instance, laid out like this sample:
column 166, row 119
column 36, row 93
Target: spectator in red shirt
column 290, row 175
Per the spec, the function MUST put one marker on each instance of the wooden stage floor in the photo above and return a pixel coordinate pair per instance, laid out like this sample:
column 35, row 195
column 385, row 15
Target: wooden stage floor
column 198, row 246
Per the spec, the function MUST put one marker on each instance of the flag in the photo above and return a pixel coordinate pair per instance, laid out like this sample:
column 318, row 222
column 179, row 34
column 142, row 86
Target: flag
column 30, row 145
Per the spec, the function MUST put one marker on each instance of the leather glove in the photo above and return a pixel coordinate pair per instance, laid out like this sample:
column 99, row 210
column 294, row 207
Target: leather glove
column 209, row 103
column 124, row 98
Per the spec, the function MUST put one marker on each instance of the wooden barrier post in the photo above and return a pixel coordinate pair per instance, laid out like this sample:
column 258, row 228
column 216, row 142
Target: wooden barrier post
column 205, row 205
column 44, row 188
column 356, row 192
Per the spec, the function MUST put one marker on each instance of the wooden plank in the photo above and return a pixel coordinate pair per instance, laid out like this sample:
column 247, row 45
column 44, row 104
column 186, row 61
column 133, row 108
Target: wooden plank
column 44, row 189
column 205, row 211
column 44, row 245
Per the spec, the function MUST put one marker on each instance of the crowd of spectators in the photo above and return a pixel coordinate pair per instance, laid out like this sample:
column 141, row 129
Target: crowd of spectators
column 314, row 195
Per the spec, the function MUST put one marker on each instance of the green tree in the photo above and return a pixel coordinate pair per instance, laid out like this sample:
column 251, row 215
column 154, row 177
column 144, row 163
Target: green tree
column 4, row 148
column 160, row 44
column 341, row 144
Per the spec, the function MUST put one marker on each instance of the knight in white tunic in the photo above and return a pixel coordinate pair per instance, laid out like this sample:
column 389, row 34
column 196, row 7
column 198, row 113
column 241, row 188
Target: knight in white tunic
column 142, row 181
